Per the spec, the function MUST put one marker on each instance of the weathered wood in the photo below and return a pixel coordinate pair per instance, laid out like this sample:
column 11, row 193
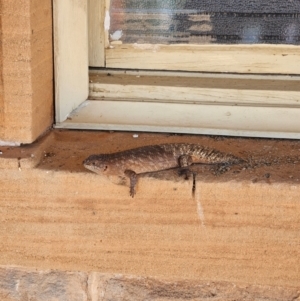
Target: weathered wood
column 195, row 88
column 174, row 117
column 26, row 68
column 242, row 227
column 106, row 24
column 96, row 14
column 191, row 103
column 2, row 122
column 278, row 59
column 71, row 55
column 246, row 105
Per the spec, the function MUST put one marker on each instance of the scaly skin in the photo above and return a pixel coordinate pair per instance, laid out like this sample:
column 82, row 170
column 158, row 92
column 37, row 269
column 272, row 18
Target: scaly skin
column 155, row 158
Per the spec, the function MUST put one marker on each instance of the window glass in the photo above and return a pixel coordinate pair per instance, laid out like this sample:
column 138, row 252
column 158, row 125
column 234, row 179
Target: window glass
column 206, row 21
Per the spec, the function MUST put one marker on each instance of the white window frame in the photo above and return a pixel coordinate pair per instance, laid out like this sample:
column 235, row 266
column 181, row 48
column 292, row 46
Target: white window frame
column 81, row 40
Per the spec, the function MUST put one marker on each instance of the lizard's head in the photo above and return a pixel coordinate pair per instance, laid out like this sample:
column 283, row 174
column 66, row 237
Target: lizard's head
column 96, row 163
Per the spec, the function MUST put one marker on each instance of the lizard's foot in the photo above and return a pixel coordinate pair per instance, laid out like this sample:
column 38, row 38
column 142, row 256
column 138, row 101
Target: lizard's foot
column 133, row 180
column 185, row 160
column 185, row 172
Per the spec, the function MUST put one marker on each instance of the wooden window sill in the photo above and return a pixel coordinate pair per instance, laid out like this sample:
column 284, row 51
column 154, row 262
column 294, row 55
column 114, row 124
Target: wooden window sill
column 211, row 104
column 242, row 226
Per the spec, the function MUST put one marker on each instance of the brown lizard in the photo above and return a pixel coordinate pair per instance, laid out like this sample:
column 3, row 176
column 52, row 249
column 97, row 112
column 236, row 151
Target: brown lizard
column 154, row 158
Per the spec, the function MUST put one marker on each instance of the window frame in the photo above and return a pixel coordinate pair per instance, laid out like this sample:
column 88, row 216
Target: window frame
column 74, row 53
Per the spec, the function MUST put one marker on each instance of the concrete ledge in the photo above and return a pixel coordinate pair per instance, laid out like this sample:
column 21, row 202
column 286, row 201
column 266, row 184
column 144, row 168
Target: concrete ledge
column 243, row 226
column 18, row 284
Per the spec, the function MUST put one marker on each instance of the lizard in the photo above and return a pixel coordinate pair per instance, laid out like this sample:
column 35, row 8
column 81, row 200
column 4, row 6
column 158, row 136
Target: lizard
column 153, row 158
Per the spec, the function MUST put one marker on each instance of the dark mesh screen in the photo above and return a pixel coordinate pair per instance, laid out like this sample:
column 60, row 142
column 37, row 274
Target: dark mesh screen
column 206, row 21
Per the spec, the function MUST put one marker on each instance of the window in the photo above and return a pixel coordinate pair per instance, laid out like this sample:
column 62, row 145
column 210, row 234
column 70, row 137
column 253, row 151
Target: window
column 214, row 67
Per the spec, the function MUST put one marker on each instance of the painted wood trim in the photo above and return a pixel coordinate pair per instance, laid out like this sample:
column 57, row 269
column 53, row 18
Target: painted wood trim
column 255, row 115
column 279, row 59
column 96, row 15
column 259, row 121
column 106, row 23
column 195, row 88
column 70, row 55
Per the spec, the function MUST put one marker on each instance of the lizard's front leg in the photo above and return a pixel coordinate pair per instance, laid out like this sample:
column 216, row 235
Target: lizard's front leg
column 184, row 162
column 194, row 184
column 133, row 180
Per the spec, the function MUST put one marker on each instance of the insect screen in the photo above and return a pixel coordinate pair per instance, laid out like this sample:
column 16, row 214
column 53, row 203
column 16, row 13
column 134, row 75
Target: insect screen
column 206, row 21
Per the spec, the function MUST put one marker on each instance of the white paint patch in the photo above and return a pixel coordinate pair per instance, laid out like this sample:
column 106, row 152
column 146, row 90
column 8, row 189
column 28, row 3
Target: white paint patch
column 200, row 211
column 107, row 21
column 116, row 35
column 9, row 143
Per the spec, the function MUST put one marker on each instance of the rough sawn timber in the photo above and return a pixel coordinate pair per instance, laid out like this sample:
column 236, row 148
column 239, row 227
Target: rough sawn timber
column 26, row 70
column 242, row 227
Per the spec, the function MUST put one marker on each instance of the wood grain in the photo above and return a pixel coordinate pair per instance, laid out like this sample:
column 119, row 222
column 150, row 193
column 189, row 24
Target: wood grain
column 195, row 88
column 241, row 227
column 107, row 25
column 26, row 63
column 206, row 58
column 96, row 14
column 71, row 55
column 2, row 121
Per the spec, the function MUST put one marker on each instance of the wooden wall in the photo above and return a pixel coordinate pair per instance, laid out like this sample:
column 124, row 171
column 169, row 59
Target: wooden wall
column 26, row 62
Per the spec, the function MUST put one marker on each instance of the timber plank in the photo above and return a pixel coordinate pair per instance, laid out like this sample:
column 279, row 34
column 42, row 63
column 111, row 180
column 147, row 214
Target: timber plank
column 26, row 104
column 243, row 226
column 248, row 59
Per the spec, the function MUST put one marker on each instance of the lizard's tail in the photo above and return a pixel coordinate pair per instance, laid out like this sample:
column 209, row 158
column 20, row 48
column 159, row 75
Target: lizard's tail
column 212, row 156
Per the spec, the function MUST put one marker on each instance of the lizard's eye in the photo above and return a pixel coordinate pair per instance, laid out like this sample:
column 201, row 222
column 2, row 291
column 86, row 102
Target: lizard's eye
column 105, row 168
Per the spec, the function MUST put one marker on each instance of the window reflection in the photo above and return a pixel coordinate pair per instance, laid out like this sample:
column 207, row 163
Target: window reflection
column 206, row 21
